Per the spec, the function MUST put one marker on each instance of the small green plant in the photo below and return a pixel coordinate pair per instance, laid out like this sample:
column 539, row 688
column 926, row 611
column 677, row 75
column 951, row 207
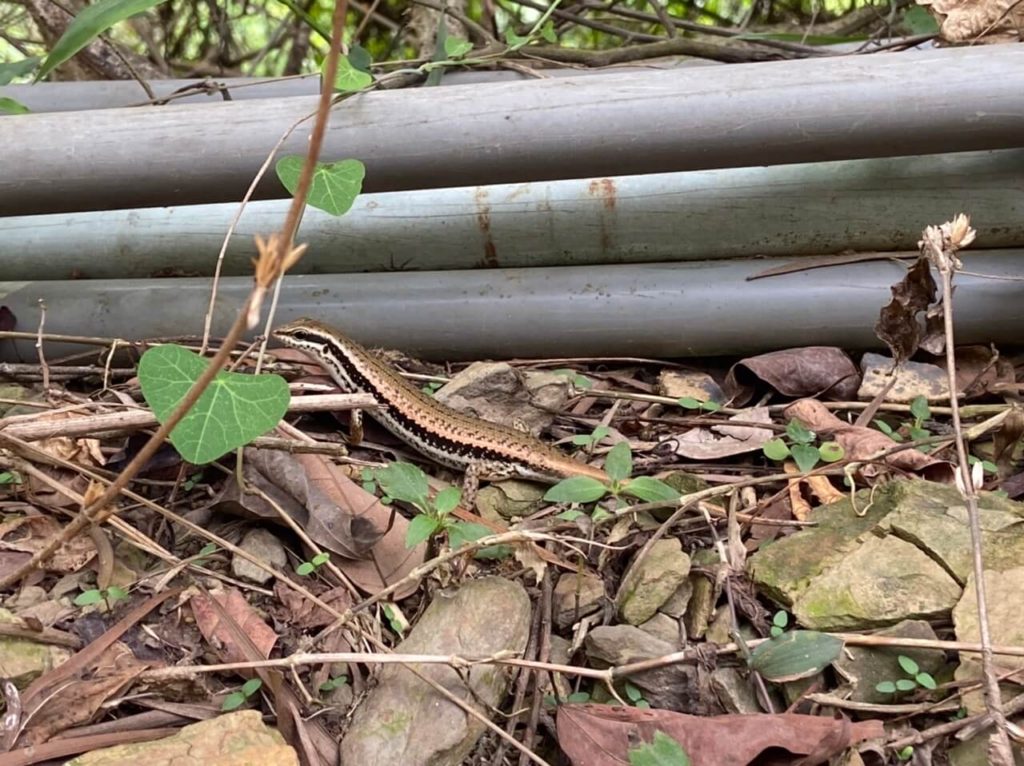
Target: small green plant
column 406, row 482
column 108, row 596
column 618, row 465
column 10, row 477
column 237, row 699
column 576, row 379
column 690, row 403
column 190, row 483
column 912, row 429
column 331, row 684
column 906, row 753
column 780, row 621
column 308, row 567
column 430, row 387
column 395, row 617
column 915, row 677
column 662, row 750
column 802, row 448
column 986, row 465
column 635, row 696
column 593, row 438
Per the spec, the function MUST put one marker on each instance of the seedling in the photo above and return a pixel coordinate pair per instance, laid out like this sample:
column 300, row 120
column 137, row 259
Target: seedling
column 237, row 699
column 914, row 429
column 406, row 482
column 690, row 403
column 333, row 683
column 430, row 387
column 576, row 379
column 780, row 620
column 802, row 447
column 108, row 596
column 10, row 477
column 915, row 677
column 591, row 439
column 308, row 567
column 396, row 618
column 618, row 465
column 635, row 696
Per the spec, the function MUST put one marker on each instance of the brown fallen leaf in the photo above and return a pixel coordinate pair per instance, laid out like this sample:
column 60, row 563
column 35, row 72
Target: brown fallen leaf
column 29, row 534
column 823, row 371
column 599, row 735
column 898, row 324
column 719, row 441
column 302, row 613
column 860, row 443
column 211, row 623
column 820, row 487
column 978, row 21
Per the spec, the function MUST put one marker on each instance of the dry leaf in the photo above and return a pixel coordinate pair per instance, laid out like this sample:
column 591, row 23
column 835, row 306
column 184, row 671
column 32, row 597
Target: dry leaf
column 823, row 371
column 978, row 21
column 29, row 534
column 898, row 325
column 221, row 637
column 722, row 441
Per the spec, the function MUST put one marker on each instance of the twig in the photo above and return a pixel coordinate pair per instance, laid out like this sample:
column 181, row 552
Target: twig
column 940, row 245
column 39, row 346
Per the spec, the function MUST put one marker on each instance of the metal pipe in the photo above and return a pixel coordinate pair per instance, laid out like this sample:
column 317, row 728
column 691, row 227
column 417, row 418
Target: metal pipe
column 829, row 207
column 849, row 107
column 662, row 310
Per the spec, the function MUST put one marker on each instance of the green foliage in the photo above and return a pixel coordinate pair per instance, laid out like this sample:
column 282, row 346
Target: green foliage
column 335, row 185
column 12, row 106
column 690, row 403
column 231, row 412
column 635, row 695
column 90, row 23
column 333, row 683
column 15, row 69
column 395, row 618
column 351, row 78
column 406, row 482
column 10, row 477
column 906, row 753
column 801, row 447
column 780, row 620
column 592, row 439
column 456, row 48
column 237, row 699
column 618, row 465
column 308, row 567
column 986, row 465
column 662, row 750
column 576, row 379
column 920, row 22
column 795, row 655
column 915, row 677
column 108, row 596
column 914, row 429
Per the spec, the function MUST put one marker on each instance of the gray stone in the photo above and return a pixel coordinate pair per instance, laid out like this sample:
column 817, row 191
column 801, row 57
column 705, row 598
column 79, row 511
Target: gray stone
column 576, row 595
column 734, row 691
column 651, row 581
column 863, row 667
column 509, row 499
column 698, row 385
column 883, row 581
column 673, row 687
column 403, row 720
column 678, row 601
column 665, row 628
column 263, row 546
column 913, row 379
column 500, row 393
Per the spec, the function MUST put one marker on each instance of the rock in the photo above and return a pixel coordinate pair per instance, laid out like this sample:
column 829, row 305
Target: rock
column 974, row 752
column 733, row 691
column 575, row 596
column 498, row 392
column 651, row 581
column 231, row 739
column 673, row 687
column 677, row 384
column 509, row 499
column 11, row 391
column 925, row 527
column 403, row 720
column 883, row 581
column 263, row 546
column 913, row 379
column 864, row 667
column 22, row 660
column 664, row 628
column 678, row 601
column 701, row 606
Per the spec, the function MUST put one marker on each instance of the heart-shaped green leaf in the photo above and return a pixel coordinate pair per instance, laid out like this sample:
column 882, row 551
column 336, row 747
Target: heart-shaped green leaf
column 335, row 184
column 232, row 411
column 350, row 77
